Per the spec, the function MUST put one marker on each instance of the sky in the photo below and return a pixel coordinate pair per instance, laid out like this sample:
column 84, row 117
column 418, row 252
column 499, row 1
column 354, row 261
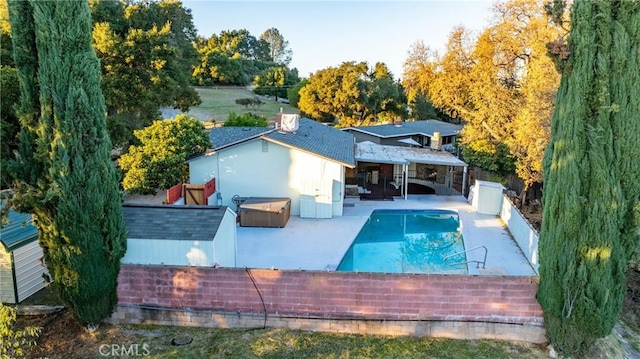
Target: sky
column 325, row 34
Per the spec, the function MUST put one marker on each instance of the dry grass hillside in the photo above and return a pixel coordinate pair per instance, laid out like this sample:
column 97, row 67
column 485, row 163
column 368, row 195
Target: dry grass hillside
column 219, row 101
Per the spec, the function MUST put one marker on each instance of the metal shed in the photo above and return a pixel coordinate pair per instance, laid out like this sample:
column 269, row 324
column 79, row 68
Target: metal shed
column 21, row 265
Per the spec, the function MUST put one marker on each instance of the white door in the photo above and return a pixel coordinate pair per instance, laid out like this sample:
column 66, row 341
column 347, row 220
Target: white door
column 316, row 198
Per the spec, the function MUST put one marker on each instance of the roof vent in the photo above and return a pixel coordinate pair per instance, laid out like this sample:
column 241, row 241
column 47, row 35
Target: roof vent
column 290, row 123
column 397, row 123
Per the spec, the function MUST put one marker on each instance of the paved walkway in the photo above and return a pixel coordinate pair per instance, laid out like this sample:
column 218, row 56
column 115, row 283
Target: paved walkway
column 320, row 244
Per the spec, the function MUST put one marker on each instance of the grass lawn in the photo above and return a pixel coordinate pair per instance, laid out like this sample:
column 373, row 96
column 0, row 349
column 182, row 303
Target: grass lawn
column 218, row 102
column 62, row 337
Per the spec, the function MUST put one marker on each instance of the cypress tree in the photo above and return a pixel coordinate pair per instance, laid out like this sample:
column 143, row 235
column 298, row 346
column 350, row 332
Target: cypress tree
column 589, row 228
column 64, row 175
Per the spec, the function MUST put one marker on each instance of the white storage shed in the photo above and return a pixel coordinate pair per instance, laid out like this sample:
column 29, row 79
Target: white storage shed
column 21, row 265
column 180, row 235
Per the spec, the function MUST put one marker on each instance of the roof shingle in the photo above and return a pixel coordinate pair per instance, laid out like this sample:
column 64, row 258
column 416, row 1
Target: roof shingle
column 311, row 136
column 195, row 223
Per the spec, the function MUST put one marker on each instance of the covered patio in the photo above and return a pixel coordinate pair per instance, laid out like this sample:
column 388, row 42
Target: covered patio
column 383, row 172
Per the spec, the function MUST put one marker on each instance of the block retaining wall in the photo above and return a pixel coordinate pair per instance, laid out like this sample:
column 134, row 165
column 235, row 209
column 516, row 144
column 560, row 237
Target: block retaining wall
column 499, row 307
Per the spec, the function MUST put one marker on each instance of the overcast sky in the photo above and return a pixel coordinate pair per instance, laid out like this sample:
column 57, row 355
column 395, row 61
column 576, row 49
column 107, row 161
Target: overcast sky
column 327, row 33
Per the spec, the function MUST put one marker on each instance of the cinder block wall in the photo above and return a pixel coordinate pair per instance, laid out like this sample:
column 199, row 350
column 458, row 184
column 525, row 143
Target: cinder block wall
column 323, row 298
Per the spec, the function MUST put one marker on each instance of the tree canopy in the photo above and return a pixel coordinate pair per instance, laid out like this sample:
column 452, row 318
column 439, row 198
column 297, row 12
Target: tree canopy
column 279, row 51
column 158, row 162
column 353, row 94
column 591, row 216
column 9, row 124
column 146, row 54
column 63, row 172
column 274, row 81
column 501, row 83
column 235, row 57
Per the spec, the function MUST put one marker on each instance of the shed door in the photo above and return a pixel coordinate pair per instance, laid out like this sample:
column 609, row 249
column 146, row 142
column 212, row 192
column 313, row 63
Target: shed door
column 316, row 198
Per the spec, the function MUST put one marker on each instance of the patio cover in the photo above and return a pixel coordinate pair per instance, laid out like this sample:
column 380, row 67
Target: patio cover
column 371, row 152
column 410, row 141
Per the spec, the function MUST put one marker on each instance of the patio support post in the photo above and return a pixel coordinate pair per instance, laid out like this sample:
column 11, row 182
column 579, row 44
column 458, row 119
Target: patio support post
column 405, row 171
column 464, row 180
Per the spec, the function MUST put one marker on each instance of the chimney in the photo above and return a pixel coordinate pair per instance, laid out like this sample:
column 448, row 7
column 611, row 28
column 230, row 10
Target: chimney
column 397, row 123
column 436, row 141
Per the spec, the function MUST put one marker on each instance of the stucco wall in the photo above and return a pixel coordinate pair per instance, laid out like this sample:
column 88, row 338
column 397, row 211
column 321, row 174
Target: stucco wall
column 224, row 243
column 169, row 252
column 255, row 169
column 521, row 230
column 361, row 137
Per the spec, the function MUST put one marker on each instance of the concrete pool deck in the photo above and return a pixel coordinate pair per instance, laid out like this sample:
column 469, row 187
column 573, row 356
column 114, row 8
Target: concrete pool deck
column 320, row 244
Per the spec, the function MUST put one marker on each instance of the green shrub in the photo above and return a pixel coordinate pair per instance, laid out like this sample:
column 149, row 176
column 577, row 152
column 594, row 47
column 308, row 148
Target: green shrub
column 254, row 103
column 246, row 120
column 14, row 343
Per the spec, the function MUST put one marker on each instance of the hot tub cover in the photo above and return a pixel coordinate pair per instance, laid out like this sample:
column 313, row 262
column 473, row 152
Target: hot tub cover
column 265, row 204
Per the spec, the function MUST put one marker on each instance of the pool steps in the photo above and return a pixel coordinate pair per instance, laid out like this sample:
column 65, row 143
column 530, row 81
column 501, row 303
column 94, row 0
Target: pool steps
column 483, row 262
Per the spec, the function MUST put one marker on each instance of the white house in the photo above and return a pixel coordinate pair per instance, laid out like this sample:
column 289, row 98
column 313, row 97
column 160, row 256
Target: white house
column 180, row 235
column 304, row 161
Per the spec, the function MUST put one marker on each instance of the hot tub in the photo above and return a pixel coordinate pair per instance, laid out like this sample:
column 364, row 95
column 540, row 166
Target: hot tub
column 265, row 212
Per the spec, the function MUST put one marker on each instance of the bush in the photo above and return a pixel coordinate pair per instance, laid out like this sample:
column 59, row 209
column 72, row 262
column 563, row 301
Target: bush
column 14, row 343
column 254, row 103
column 246, row 120
column 158, row 162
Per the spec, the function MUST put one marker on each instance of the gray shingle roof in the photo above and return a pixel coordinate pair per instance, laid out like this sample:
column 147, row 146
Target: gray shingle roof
column 320, row 139
column 196, row 223
column 311, row 136
column 427, row 128
column 225, row 136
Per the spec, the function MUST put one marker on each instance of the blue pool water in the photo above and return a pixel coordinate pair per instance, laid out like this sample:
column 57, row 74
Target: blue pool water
column 407, row 241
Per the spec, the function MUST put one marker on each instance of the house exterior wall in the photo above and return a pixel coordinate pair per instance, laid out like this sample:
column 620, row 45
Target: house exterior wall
column 29, row 270
column 361, row 137
column 393, row 141
column 224, row 242
column 265, row 169
column 7, row 292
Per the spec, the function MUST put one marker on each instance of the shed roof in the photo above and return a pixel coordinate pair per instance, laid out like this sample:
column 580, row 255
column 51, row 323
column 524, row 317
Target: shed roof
column 371, row 152
column 311, row 136
column 196, row 223
column 18, row 232
column 427, row 128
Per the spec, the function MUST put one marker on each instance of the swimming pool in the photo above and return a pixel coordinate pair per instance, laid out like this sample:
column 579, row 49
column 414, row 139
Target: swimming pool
column 407, row 241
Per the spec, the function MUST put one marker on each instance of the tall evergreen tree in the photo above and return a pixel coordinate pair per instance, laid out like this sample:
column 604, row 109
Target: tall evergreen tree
column 64, row 173
column 591, row 195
